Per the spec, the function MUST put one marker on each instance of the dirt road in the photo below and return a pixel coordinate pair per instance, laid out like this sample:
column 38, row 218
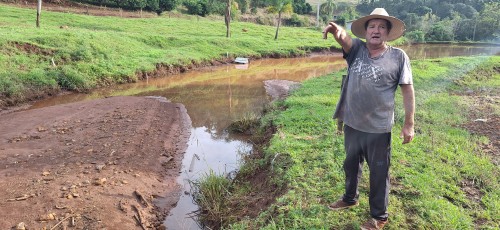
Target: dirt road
column 100, row 164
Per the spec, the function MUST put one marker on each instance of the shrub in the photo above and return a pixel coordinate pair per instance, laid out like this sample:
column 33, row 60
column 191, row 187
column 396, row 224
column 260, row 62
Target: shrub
column 416, row 36
column 196, row 7
column 294, row 20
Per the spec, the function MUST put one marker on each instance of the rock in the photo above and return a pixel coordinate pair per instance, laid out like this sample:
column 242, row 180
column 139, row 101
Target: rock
column 21, row 226
column 100, row 181
column 47, row 217
column 100, row 167
column 49, row 178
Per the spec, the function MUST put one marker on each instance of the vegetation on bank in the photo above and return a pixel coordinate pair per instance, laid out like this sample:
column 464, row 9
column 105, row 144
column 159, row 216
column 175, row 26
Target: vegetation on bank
column 442, row 180
column 426, row 20
column 81, row 52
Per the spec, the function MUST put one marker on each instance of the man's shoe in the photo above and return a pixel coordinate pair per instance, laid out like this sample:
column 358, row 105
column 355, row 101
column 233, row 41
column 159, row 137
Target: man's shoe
column 373, row 224
column 340, row 204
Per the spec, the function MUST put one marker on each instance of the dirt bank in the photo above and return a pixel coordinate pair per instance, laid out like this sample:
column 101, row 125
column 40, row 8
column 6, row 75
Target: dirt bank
column 96, row 164
column 280, row 89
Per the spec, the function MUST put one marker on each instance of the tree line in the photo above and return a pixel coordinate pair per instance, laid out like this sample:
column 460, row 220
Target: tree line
column 443, row 20
column 198, row 7
column 426, row 20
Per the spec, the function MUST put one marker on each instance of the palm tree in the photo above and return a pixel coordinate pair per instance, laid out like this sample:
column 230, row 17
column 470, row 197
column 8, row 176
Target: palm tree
column 327, row 8
column 280, row 7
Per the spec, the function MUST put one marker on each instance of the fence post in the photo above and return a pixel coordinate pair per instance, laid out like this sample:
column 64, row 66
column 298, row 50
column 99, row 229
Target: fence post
column 38, row 12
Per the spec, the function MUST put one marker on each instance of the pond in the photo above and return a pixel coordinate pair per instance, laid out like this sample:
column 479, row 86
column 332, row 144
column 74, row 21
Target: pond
column 216, row 96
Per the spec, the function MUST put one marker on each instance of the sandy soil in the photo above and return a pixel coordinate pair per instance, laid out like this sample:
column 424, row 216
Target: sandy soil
column 98, row 164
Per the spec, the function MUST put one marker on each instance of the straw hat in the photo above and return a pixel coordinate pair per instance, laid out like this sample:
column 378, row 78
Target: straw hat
column 397, row 30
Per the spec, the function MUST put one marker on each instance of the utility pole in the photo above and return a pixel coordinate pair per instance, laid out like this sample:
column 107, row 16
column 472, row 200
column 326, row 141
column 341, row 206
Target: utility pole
column 317, row 14
column 38, row 11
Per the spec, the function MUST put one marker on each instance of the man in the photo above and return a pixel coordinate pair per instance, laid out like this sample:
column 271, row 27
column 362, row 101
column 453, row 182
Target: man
column 366, row 107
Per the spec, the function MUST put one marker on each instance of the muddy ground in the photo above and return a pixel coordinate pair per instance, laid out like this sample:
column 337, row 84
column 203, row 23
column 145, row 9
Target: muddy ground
column 100, row 164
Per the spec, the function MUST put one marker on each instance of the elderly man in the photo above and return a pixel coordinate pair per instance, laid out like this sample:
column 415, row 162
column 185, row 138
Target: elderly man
column 366, row 106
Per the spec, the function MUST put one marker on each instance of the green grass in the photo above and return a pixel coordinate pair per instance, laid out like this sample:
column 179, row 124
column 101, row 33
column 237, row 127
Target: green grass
column 81, row 52
column 97, row 51
column 427, row 175
column 215, row 191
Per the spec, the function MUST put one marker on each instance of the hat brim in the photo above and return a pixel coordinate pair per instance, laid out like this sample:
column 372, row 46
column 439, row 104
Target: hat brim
column 397, row 30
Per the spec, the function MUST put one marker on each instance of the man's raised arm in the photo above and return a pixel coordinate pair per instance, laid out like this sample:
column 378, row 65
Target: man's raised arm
column 340, row 35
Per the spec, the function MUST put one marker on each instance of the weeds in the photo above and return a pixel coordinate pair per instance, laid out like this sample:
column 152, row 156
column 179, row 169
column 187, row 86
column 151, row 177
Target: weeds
column 211, row 193
column 247, row 124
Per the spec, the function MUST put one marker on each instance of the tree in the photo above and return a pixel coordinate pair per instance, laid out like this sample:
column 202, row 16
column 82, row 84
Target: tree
column 301, row 7
column 488, row 23
column 167, row 5
column 280, row 7
column 196, row 7
column 327, row 9
column 153, row 5
column 441, row 31
column 243, row 5
column 227, row 18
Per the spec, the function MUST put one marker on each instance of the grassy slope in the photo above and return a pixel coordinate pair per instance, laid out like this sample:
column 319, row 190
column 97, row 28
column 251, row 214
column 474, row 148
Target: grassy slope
column 426, row 175
column 95, row 51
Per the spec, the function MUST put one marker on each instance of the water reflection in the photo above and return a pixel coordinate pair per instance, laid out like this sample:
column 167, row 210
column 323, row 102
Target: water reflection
column 426, row 51
column 203, row 154
column 216, row 96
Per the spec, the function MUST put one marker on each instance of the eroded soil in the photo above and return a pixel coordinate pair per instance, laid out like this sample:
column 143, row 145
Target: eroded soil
column 100, row 164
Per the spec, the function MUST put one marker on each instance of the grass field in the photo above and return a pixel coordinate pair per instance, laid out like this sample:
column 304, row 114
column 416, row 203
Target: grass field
column 442, row 180
column 81, row 52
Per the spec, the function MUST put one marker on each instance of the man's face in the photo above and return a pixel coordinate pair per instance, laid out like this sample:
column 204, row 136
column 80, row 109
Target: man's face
column 377, row 31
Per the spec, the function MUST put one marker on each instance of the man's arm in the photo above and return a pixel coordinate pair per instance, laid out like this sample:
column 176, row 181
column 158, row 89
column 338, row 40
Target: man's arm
column 409, row 104
column 340, row 35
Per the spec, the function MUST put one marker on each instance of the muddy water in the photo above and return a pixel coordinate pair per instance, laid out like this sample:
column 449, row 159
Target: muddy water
column 425, row 51
column 216, row 96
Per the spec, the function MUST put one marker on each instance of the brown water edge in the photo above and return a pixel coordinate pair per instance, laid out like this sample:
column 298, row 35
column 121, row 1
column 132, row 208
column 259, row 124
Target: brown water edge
column 214, row 96
column 235, row 92
column 162, row 70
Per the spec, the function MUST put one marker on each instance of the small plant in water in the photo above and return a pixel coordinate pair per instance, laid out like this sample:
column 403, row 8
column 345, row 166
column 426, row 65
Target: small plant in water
column 210, row 194
column 247, row 124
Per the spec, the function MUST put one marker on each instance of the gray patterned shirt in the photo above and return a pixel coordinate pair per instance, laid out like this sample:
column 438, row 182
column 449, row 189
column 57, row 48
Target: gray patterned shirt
column 367, row 99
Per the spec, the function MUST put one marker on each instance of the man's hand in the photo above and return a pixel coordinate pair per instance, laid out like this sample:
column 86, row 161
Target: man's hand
column 409, row 103
column 340, row 36
column 407, row 133
column 332, row 28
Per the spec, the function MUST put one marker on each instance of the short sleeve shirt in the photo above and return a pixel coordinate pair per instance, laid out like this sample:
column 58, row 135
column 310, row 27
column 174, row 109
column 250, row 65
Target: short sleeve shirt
column 367, row 99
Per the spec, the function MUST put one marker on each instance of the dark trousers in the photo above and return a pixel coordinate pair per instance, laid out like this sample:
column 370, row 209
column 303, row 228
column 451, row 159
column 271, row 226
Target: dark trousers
column 375, row 148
